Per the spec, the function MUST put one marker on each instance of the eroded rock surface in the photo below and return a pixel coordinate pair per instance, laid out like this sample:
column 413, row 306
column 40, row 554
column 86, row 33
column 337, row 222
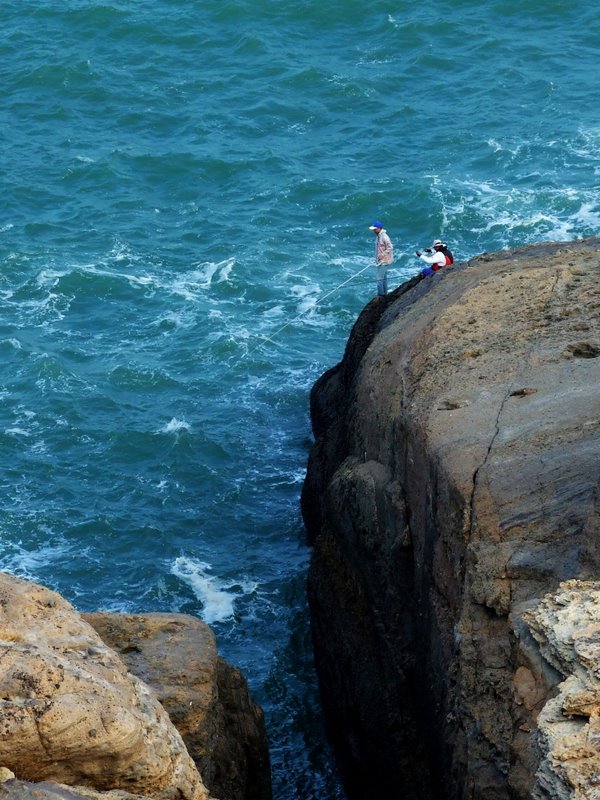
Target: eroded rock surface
column 566, row 626
column 453, row 482
column 206, row 698
column 71, row 713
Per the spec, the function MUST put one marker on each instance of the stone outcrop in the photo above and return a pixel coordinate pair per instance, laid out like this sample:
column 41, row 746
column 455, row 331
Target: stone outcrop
column 80, row 694
column 566, row 625
column 453, row 482
column 206, row 698
column 71, row 713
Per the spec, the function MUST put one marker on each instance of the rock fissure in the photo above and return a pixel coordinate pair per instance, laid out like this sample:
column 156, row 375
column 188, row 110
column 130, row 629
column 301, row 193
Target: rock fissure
column 36, row 714
column 485, row 460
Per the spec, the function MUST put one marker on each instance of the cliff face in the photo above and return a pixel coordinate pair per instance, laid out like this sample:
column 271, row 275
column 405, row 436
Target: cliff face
column 452, row 483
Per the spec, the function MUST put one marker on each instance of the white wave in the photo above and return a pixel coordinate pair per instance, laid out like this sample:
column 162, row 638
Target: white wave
column 30, row 564
column 49, row 277
column 217, row 596
column 307, row 296
column 27, row 413
column 122, row 252
column 307, row 304
column 226, row 269
column 589, row 214
column 140, row 280
column 498, row 147
column 13, row 343
column 168, row 320
column 17, row 432
column 175, row 426
column 190, row 283
column 275, row 311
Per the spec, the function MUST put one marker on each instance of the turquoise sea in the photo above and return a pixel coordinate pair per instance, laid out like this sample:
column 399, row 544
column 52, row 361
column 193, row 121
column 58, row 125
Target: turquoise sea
column 184, row 246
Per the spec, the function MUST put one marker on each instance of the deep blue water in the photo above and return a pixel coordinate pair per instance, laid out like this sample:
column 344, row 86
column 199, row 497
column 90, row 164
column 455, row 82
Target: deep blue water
column 184, row 188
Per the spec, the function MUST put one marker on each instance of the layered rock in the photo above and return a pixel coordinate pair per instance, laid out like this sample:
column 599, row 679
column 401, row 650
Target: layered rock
column 80, row 705
column 206, row 698
column 71, row 713
column 452, row 483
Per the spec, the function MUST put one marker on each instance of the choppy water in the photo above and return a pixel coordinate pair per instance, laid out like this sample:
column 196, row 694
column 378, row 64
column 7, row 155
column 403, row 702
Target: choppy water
column 182, row 180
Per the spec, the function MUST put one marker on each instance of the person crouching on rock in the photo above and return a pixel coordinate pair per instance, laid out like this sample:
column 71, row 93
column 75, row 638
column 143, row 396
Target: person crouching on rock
column 384, row 255
column 438, row 255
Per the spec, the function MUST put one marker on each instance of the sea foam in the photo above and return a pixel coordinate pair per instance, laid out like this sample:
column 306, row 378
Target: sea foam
column 215, row 595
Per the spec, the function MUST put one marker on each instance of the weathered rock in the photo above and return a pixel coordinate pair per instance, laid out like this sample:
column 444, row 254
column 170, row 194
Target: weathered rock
column 206, row 698
column 566, row 625
column 48, row 790
column 71, row 713
column 452, row 483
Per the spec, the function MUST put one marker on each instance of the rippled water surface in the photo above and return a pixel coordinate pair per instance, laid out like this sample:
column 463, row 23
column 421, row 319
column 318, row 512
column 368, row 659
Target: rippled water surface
column 186, row 194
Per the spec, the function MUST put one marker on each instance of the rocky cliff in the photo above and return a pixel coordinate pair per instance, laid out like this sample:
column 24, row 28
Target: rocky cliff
column 84, row 702
column 205, row 697
column 452, row 485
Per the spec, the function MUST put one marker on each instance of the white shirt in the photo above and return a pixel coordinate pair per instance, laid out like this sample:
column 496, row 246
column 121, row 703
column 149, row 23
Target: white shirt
column 436, row 258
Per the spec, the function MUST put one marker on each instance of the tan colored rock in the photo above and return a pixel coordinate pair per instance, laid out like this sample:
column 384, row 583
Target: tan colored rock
column 70, row 712
column 206, row 698
column 566, row 624
column 454, row 481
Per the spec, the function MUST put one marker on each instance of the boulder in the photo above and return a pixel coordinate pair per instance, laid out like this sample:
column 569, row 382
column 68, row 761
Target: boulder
column 453, row 482
column 71, row 713
column 207, row 699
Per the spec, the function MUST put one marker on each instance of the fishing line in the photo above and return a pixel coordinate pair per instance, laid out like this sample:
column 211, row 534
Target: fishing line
column 291, row 321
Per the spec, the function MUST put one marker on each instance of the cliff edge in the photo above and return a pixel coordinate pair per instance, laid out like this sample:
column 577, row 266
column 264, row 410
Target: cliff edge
column 452, row 485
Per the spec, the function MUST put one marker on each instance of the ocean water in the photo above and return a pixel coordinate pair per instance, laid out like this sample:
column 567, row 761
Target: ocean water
column 184, row 247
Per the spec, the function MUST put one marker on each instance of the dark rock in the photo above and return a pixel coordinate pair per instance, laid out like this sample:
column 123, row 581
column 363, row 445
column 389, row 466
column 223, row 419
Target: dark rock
column 453, row 481
column 48, row 790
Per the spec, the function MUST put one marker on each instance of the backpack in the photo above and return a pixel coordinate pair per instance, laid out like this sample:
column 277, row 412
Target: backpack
column 448, row 254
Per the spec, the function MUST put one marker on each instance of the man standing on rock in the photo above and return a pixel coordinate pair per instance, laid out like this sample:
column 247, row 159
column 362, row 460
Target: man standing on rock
column 384, row 255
